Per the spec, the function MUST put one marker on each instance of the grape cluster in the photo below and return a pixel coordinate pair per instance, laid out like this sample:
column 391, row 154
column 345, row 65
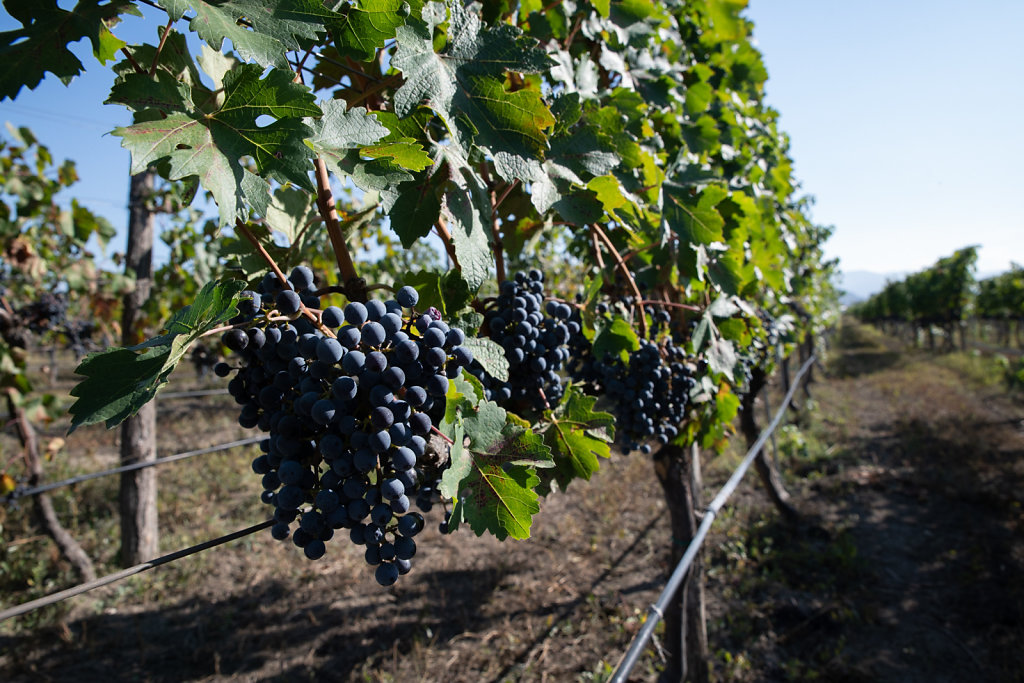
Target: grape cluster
column 759, row 352
column 534, row 336
column 45, row 313
column 651, row 392
column 346, row 407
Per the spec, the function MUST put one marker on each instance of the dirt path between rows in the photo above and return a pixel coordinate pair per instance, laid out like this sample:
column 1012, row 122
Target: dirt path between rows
column 912, row 566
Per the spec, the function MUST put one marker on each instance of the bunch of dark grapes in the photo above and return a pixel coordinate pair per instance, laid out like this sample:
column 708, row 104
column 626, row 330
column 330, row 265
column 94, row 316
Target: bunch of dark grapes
column 346, row 412
column 759, row 352
column 651, row 392
column 534, row 336
column 45, row 313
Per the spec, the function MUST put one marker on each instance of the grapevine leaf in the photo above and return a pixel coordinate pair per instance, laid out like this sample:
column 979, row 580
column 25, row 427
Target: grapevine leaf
column 467, row 320
column 464, row 393
column 467, row 204
column 461, row 464
column 272, row 27
column 722, row 357
column 163, row 91
column 406, row 152
column 577, row 436
column 617, row 339
column 493, row 478
column 288, row 211
column 719, row 266
column 499, row 494
column 118, row 382
column 364, row 27
column 465, row 85
column 447, row 293
column 212, row 146
column 417, row 207
column 490, row 355
column 341, row 130
column 585, row 151
column 692, row 214
column 40, row 46
column 700, row 331
column 384, row 165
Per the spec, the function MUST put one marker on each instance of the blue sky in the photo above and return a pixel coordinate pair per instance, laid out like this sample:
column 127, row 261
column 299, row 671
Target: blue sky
column 907, row 123
column 905, row 118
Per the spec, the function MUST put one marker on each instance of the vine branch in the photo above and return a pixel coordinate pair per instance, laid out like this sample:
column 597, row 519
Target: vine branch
column 329, row 212
column 449, row 245
column 496, row 245
column 596, row 230
column 160, row 47
column 131, row 60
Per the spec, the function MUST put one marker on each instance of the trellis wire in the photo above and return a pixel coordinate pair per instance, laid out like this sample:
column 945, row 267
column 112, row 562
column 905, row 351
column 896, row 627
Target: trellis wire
column 656, row 611
column 43, row 488
column 194, row 394
column 53, row 598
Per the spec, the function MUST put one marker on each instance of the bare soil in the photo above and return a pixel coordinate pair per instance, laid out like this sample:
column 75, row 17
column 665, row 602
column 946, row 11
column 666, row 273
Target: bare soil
column 908, row 564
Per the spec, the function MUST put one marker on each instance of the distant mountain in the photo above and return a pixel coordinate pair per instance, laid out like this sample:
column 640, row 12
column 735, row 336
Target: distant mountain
column 860, row 284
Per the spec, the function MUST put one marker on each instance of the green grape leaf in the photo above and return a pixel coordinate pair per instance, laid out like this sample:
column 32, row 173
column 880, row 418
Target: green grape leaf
column 492, row 477
column 499, row 494
column 405, row 152
column 461, row 465
column 447, row 293
column 691, row 214
column 40, row 46
column 341, row 130
column 468, row 205
column 467, row 320
column 163, row 91
column 490, row 355
column 721, row 357
column 616, row 338
column 288, row 212
column 465, row 85
column 417, row 206
column 365, row 26
column 578, row 437
column 272, row 27
column 118, row 382
column 212, row 146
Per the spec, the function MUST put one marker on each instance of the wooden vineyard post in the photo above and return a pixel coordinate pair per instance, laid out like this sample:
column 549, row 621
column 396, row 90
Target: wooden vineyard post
column 686, row 640
column 137, row 498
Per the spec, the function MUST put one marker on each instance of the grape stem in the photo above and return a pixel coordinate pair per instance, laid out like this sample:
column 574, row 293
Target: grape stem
column 496, row 245
column 160, row 47
column 596, row 229
column 449, row 245
column 597, row 250
column 264, row 254
column 244, row 229
column 329, row 212
column 672, row 304
column 131, row 60
column 443, row 436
